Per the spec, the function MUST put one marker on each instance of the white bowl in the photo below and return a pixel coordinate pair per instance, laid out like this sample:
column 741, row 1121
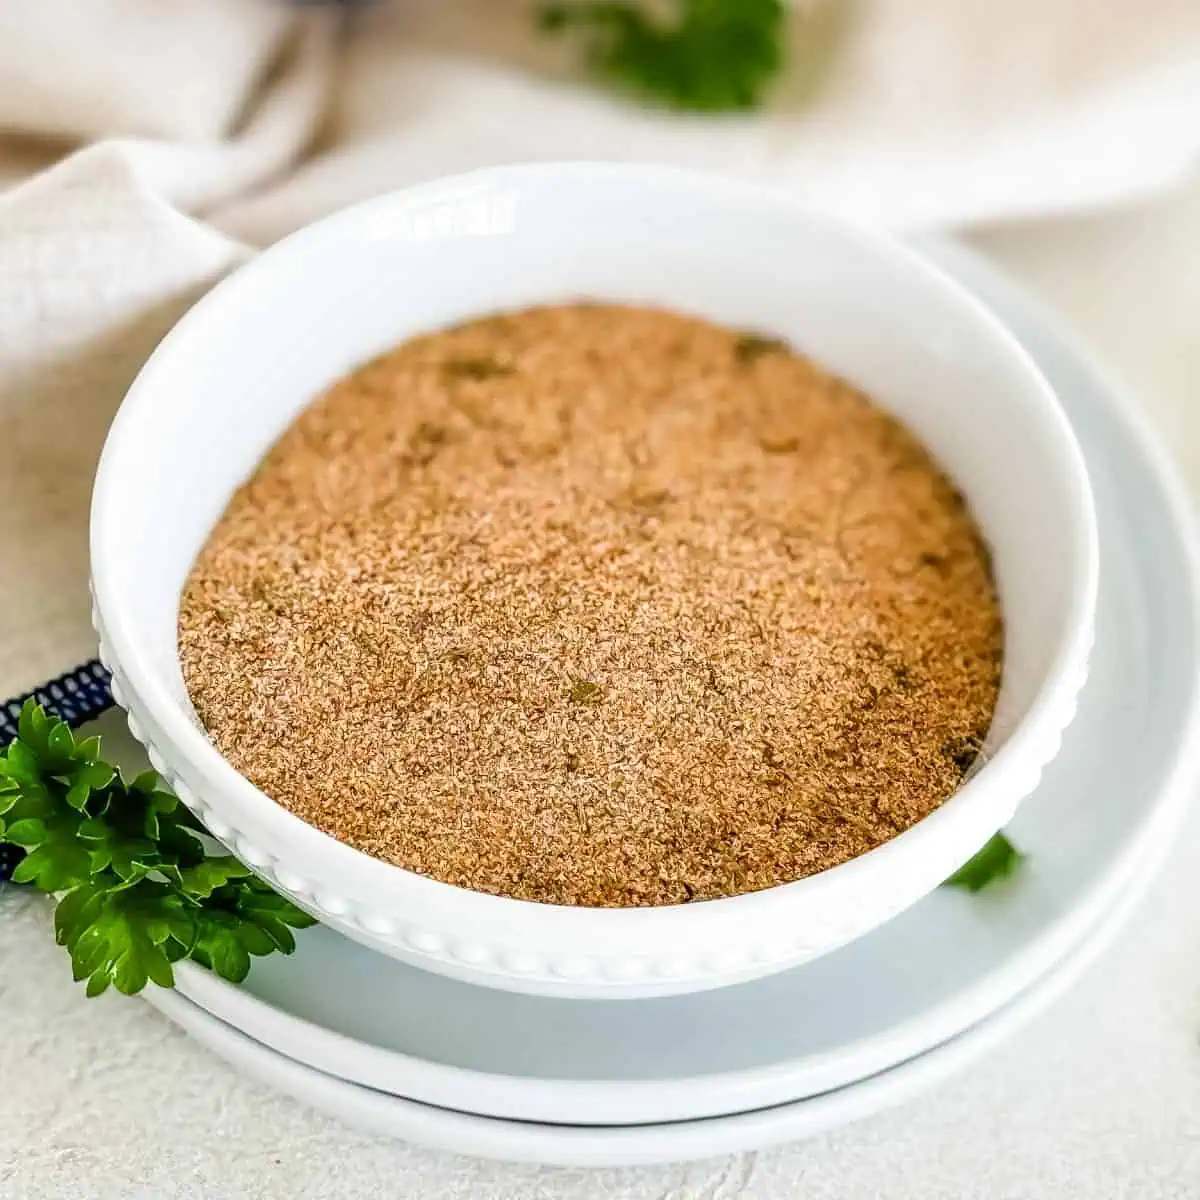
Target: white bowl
column 235, row 371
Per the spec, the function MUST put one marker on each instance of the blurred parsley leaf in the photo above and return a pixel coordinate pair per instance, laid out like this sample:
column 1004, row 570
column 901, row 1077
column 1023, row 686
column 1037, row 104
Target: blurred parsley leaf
column 997, row 860
column 714, row 56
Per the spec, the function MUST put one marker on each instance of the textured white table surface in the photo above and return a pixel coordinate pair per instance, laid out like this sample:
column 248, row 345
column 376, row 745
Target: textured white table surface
column 1098, row 1098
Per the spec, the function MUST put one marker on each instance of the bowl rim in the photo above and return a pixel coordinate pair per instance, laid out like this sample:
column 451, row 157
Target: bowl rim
column 289, row 833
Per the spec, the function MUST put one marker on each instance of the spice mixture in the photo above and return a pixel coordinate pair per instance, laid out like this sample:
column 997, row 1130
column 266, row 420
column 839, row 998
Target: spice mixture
column 597, row 605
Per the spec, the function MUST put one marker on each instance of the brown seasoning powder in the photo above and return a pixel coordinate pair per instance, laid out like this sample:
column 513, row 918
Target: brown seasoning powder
column 597, row 605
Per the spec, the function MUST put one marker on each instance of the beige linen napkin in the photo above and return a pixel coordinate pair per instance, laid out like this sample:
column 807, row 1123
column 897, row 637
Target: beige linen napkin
column 937, row 112
column 97, row 261
column 179, row 69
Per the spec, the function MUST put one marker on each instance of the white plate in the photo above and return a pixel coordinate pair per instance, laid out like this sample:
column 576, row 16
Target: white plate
column 638, row 1145
column 932, row 973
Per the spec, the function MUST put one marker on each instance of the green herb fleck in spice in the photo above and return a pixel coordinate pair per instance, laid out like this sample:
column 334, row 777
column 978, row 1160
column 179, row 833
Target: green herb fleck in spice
column 787, row 445
column 750, row 347
column 478, row 369
column 583, row 691
column 963, row 752
column 649, row 501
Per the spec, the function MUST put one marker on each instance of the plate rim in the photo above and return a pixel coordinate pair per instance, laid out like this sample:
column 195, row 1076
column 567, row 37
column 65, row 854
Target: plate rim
column 594, row 1146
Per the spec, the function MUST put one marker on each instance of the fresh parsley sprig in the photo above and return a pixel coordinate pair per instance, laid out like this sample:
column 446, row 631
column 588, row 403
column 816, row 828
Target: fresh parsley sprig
column 716, row 55
column 137, row 888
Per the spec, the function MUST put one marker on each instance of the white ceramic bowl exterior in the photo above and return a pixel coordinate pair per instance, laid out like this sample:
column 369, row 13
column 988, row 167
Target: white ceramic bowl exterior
column 231, row 376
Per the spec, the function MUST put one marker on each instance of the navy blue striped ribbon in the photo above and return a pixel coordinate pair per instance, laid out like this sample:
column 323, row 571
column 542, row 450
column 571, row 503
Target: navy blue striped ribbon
column 77, row 697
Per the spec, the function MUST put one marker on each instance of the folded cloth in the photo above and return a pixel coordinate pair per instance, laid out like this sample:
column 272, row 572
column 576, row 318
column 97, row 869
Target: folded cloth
column 98, row 261
column 96, row 268
column 182, row 69
column 205, row 124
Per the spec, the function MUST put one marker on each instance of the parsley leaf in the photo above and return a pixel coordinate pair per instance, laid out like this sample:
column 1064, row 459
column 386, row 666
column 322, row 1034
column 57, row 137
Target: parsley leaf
column 122, row 942
column 716, row 55
column 996, row 861
column 56, row 861
column 266, row 910
column 137, row 890
column 207, row 876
